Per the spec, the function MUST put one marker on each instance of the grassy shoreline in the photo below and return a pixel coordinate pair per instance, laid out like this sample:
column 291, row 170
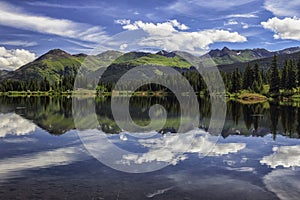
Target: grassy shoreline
column 244, row 97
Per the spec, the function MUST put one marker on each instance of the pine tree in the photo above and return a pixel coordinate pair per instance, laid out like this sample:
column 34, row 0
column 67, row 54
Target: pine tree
column 248, row 77
column 274, row 76
column 257, row 85
column 284, row 76
column 291, row 75
column 236, row 81
column 298, row 72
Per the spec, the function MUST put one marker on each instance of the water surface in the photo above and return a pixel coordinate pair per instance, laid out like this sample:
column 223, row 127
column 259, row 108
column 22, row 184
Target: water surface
column 41, row 155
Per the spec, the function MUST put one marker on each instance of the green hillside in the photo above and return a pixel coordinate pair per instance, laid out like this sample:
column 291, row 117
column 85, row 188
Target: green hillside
column 56, row 70
column 140, row 59
column 57, row 63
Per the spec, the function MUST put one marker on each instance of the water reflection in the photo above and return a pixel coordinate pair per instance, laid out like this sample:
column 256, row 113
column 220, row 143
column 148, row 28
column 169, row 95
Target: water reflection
column 284, row 183
column 261, row 119
column 51, row 114
column 218, row 186
column 286, row 156
column 257, row 157
column 13, row 124
column 202, row 145
column 11, row 167
column 54, row 114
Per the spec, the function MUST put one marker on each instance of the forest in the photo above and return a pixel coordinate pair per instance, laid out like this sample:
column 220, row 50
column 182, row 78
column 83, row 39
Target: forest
column 274, row 82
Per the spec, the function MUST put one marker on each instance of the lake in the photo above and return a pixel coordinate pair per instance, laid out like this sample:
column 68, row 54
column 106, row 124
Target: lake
column 44, row 156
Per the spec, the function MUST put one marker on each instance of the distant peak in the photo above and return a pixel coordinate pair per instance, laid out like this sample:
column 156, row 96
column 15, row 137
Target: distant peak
column 225, row 49
column 289, row 50
column 57, row 52
column 162, row 52
column 54, row 53
column 80, row 55
column 166, row 53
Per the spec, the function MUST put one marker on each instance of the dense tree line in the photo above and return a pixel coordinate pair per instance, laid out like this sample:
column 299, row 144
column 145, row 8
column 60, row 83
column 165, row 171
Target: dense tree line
column 253, row 79
column 30, row 85
column 36, row 85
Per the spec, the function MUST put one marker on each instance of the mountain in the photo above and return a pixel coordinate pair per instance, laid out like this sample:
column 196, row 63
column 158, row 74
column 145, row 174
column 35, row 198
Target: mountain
column 57, row 63
column 227, row 56
column 130, row 60
column 107, row 57
column 289, row 50
column 3, row 72
column 113, row 64
column 263, row 63
column 140, row 59
column 166, row 54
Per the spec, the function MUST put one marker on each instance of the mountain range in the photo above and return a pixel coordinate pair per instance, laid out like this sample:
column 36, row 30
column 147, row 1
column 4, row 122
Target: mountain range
column 57, row 63
column 227, row 56
column 262, row 57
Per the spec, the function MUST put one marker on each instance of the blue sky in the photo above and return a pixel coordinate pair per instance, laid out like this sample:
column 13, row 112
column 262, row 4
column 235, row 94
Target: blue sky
column 34, row 27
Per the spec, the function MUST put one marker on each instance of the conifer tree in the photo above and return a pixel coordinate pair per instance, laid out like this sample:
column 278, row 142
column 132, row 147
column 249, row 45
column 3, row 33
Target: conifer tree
column 274, row 76
column 284, row 75
column 248, row 77
column 258, row 79
column 291, row 75
column 298, row 72
column 236, row 82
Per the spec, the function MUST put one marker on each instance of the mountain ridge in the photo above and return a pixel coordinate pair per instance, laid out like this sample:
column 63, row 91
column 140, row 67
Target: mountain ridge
column 57, row 63
column 227, row 56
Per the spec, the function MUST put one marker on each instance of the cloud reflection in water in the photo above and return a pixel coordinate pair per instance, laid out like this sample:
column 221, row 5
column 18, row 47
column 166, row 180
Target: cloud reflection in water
column 61, row 156
column 286, row 156
column 202, row 145
column 13, row 124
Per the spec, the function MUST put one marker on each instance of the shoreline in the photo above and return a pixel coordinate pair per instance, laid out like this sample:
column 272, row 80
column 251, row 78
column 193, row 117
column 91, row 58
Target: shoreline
column 244, row 97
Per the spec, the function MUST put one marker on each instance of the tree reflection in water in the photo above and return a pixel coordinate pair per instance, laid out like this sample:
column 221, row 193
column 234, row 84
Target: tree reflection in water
column 54, row 114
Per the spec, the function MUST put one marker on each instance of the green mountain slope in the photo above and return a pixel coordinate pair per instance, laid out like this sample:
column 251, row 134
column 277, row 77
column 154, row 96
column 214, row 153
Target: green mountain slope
column 57, row 63
column 140, row 59
column 134, row 59
column 113, row 64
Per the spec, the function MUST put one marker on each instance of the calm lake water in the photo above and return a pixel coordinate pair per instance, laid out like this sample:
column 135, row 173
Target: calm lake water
column 257, row 155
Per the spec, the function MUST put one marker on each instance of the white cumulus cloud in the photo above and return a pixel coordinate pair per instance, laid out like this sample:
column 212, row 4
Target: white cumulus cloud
column 172, row 35
column 178, row 25
column 287, row 28
column 14, row 58
column 283, row 7
column 17, row 18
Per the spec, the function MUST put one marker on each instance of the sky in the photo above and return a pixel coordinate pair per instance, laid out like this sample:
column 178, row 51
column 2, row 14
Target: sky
column 29, row 29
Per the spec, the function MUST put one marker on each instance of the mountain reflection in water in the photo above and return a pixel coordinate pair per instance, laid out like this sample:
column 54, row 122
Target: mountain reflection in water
column 257, row 156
